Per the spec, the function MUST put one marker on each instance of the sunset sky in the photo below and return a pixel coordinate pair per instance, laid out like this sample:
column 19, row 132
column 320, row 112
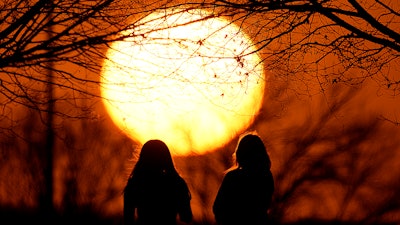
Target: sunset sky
column 328, row 110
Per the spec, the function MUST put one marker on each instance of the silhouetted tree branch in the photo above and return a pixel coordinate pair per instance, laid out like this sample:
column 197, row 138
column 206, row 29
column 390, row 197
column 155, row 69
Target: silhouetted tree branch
column 323, row 38
column 81, row 30
column 315, row 38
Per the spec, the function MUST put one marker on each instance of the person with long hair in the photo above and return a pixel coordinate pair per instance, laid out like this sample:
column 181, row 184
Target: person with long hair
column 245, row 194
column 155, row 193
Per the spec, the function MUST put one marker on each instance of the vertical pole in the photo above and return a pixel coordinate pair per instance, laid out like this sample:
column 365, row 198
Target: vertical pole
column 48, row 169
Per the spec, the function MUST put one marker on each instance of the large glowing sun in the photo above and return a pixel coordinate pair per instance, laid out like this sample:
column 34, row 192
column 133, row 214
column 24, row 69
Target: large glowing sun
column 183, row 77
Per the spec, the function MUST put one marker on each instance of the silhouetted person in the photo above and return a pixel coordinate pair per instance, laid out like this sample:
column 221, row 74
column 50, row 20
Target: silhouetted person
column 155, row 193
column 245, row 194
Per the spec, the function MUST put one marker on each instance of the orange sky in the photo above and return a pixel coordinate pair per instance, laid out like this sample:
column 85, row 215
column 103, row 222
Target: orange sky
column 334, row 156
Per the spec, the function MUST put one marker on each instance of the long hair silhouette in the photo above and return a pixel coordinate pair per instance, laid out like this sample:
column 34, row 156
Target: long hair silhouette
column 155, row 193
column 154, row 158
column 251, row 153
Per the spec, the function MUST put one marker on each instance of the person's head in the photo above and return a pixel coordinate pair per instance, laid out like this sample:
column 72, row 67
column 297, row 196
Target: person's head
column 154, row 157
column 251, row 153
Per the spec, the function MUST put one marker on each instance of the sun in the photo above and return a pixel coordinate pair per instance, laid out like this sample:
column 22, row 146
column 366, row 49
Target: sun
column 193, row 82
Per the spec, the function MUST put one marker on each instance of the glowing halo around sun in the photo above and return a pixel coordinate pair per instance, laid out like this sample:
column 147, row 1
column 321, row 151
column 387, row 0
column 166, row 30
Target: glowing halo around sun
column 194, row 85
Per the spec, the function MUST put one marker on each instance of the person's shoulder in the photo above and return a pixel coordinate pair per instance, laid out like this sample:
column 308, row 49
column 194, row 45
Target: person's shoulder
column 233, row 173
column 179, row 179
column 269, row 174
